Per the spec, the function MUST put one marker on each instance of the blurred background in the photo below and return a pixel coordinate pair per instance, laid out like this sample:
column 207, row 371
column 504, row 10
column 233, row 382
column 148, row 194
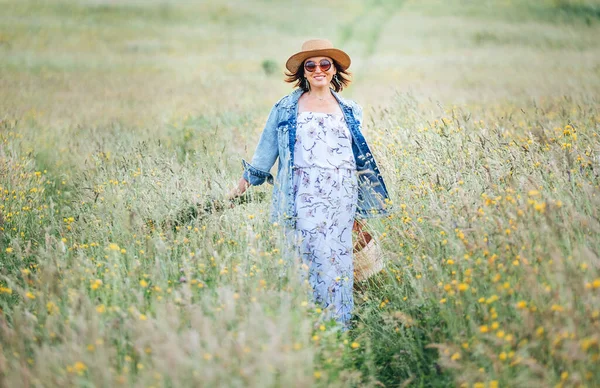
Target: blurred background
column 147, row 62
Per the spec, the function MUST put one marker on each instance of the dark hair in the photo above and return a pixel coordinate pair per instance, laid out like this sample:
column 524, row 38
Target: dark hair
column 340, row 82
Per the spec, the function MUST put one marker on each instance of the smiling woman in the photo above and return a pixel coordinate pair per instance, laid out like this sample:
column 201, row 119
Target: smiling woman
column 326, row 176
column 340, row 61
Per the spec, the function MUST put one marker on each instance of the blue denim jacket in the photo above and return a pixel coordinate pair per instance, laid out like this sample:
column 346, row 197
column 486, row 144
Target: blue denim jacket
column 277, row 140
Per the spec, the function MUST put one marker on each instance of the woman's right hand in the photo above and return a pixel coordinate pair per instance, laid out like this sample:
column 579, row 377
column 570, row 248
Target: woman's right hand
column 240, row 189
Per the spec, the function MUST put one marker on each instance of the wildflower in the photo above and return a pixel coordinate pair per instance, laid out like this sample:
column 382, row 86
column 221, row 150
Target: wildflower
column 143, row 283
column 587, row 343
column 317, row 375
column 51, row 307
column 455, row 356
column 30, row 295
column 5, row 290
column 143, row 317
column 113, row 247
column 522, row 304
column 463, row 287
column 9, row 250
column 596, row 283
column 355, row 345
column 96, row 284
column 79, row 367
column 101, row 309
column 557, row 308
column 484, row 329
column 540, row 206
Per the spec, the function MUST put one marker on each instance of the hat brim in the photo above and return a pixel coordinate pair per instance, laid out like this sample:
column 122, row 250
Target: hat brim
column 294, row 62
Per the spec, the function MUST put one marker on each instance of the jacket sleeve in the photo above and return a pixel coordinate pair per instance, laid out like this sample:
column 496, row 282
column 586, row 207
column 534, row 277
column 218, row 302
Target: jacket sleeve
column 265, row 155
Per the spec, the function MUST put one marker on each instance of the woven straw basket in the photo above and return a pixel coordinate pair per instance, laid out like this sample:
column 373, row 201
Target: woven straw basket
column 368, row 261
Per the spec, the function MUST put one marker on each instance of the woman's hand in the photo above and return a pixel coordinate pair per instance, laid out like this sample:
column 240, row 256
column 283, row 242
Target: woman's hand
column 363, row 237
column 240, row 189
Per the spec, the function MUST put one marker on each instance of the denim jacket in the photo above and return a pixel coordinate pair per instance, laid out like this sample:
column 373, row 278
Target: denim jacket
column 277, row 140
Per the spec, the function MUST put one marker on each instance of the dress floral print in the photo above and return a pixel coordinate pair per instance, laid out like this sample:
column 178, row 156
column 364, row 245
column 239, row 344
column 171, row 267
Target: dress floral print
column 325, row 192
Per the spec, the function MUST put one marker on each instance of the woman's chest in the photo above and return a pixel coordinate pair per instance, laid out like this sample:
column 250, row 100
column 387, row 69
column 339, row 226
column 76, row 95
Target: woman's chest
column 325, row 106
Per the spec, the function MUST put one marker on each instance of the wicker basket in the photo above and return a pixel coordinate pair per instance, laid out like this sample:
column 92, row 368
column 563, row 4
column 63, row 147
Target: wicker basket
column 368, row 261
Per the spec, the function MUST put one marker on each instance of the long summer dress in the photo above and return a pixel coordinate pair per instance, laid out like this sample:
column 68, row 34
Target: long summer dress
column 325, row 191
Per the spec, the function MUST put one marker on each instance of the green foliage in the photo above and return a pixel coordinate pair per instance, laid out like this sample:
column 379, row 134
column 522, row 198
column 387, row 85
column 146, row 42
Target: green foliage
column 269, row 66
column 121, row 262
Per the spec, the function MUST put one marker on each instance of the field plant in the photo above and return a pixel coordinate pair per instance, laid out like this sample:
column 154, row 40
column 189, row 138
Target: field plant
column 122, row 125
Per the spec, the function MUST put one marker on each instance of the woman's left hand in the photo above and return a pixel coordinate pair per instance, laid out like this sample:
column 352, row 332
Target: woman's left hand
column 363, row 237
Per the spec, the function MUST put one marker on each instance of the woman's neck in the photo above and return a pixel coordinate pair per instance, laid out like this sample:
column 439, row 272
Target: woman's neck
column 320, row 94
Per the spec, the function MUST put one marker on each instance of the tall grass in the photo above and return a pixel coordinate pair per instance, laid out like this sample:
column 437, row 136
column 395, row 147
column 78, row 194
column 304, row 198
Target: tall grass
column 493, row 271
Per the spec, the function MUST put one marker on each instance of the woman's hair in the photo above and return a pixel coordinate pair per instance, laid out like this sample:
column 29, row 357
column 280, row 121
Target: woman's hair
column 340, row 82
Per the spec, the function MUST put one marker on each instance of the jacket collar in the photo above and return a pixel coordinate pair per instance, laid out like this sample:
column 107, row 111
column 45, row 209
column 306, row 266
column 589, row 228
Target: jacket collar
column 293, row 97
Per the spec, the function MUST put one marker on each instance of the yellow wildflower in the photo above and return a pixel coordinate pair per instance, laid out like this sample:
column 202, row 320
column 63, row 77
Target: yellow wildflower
column 79, row 367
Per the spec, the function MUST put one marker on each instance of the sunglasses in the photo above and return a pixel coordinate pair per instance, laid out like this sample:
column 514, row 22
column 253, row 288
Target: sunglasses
column 311, row 66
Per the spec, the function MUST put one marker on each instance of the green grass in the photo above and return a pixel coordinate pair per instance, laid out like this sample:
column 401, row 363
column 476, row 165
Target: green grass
column 117, row 116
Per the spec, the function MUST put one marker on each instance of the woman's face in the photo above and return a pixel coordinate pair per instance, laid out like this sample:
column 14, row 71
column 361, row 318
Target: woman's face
column 319, row 77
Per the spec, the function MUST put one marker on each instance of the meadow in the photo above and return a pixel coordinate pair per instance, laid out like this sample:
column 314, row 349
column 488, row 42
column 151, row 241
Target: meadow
column 116, row 116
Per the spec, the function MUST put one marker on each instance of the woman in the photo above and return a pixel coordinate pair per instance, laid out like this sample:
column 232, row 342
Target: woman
column 326, row 175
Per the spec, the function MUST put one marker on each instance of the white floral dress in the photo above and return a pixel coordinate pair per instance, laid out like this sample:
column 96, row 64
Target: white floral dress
column 325, row 191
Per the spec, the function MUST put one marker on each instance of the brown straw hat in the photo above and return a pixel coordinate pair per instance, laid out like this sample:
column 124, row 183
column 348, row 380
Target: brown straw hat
column 314, row 48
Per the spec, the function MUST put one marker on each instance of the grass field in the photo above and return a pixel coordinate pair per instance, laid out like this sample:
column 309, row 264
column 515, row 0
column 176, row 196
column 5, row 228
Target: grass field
column 116, row 115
